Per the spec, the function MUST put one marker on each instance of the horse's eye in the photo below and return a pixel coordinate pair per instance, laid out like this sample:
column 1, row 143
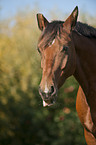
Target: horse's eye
column 65, row 48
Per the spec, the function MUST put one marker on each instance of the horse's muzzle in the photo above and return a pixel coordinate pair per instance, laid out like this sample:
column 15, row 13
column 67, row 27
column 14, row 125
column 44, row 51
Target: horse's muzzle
column 48, row 97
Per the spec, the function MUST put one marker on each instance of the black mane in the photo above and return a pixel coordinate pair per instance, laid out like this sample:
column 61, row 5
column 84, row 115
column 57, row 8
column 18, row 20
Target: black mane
column 54, row 27
column 86, row 30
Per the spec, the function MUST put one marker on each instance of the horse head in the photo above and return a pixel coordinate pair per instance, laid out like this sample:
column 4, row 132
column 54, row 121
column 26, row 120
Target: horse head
column 57, row 52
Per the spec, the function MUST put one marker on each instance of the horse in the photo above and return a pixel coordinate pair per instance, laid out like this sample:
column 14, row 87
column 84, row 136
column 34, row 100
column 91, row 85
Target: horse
column 69, row 48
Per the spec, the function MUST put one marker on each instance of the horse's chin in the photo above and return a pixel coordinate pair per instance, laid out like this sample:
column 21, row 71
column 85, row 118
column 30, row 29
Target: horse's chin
column 48, row 103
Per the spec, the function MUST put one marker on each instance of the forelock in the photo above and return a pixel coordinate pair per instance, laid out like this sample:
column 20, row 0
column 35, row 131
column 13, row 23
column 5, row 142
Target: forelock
column 50, row 33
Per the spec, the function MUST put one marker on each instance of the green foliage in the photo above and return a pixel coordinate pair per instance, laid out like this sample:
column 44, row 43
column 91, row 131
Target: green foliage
column 23, row 120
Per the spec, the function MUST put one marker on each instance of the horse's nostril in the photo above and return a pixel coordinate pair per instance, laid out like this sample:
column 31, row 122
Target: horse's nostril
column 52, row 89
column 47, row 95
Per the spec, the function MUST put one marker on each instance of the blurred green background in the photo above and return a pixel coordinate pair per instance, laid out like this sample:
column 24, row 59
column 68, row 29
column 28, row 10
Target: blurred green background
column 23, row 120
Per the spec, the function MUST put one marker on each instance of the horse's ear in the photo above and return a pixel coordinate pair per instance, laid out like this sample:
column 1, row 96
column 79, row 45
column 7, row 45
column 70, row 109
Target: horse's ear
column 71, row 20
column 42, row 21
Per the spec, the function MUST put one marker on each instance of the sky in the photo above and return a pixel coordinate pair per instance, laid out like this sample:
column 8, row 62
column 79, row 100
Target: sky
column 9, row 8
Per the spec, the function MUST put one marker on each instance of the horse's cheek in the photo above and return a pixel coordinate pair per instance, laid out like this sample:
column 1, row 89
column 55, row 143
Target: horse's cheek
column 64, row 62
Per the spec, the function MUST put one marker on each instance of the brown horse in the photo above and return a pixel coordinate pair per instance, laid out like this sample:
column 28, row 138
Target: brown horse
column 69, row 48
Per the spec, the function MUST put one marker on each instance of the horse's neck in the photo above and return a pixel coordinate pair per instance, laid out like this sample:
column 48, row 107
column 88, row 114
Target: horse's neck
column 85, row 61
column 85, row 72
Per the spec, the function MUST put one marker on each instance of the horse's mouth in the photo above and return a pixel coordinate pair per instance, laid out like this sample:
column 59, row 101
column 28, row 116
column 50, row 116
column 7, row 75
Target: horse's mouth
column 48, row 98
column 49, row 102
